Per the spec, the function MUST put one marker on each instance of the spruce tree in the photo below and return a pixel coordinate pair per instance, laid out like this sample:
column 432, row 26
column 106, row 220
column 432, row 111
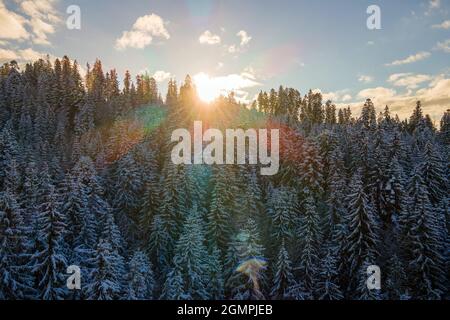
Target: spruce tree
column 49, row 260
column 106, row 279
column 283, row 274
column 190, row 256
column 140, row 278
column 361, row 242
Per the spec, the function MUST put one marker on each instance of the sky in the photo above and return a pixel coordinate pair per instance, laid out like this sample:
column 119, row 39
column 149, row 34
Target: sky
column 252, row 45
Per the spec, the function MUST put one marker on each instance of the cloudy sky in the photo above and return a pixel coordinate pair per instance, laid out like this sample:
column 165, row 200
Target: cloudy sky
column 252, row 45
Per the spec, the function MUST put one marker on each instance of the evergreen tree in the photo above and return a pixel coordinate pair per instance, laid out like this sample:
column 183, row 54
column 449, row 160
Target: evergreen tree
column 190, row 256
column 140, row 279
column 174, row 288
column 283, row 274
column 283, row 209
column 361, row 242
column 107, row 274
column 328, row 287
column 422, row 240
column 14, row 282
column 49, row 260
column 310, row 235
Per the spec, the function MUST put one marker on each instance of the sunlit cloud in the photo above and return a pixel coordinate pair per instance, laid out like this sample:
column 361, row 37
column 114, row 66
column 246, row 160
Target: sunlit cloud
column 365, row 79
column 33, row 21
column 346, row 98
column 161, row 76
column 208, row 37
column 444, row 46
column 432, row 6
column 12, row 25
column 245, row 38
column 233, row 49
column 408, row 80
column 23, row 55
column 43, row 18
column 244, row 41
column 336, row 96
column 443, row 25
column 434, row 97
column 142, row 33
column 210, row 88
column 411, row 59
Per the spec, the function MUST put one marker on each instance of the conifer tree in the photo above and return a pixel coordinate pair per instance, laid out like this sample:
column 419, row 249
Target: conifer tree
column 106, row 279
column 190, row 256
column 49, row 259
column 310, row 235
column 283, row 274
column 361, row 242
column 14, row 282
column 140, row 280
column 422, row 240
column 328, row 287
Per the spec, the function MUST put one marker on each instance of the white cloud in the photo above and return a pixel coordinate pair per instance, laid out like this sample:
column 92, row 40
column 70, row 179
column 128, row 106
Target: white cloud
column 245, row 38
column 346, row 98
column 378, row 93
column 408, row 80
column 365, row 79
column 443, row 25
column 220, row 65
column 36, row 21
column 142, row 33
column 40, row 30
column 160, row 75
column 42, row 9
column 21, row 56
column 434, row 97
column 444, row 46
column 237, row 48
column 133, row 39
column 370, row 43
column 433, row 5
column 249, row 73
column 43, row 18
column 411, row 59
column 335, row 96
column 7, row 55
column 208, row 37
column 233, row 49
column 12, row 25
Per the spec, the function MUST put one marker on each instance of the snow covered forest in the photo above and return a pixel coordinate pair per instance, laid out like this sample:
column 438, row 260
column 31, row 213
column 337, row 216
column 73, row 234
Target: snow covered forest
column 86, row 179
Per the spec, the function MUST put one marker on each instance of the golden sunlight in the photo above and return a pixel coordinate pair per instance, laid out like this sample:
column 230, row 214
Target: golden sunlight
column 210, row 88
column 207, row 89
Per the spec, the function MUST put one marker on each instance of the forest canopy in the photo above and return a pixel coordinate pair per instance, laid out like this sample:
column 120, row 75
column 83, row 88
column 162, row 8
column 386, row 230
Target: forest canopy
column 86, row 179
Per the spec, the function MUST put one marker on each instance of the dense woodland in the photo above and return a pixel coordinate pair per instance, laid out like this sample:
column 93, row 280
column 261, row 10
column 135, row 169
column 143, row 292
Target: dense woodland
column 84, row 181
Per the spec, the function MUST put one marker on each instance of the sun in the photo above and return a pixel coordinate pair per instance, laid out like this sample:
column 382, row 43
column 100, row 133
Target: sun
column 208, row 89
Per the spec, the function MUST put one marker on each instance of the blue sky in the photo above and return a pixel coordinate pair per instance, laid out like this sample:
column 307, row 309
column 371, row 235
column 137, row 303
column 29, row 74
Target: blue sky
column 253, row 45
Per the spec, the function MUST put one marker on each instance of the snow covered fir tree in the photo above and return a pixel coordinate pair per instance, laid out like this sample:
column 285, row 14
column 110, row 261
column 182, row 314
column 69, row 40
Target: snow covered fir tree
column 86, row 179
